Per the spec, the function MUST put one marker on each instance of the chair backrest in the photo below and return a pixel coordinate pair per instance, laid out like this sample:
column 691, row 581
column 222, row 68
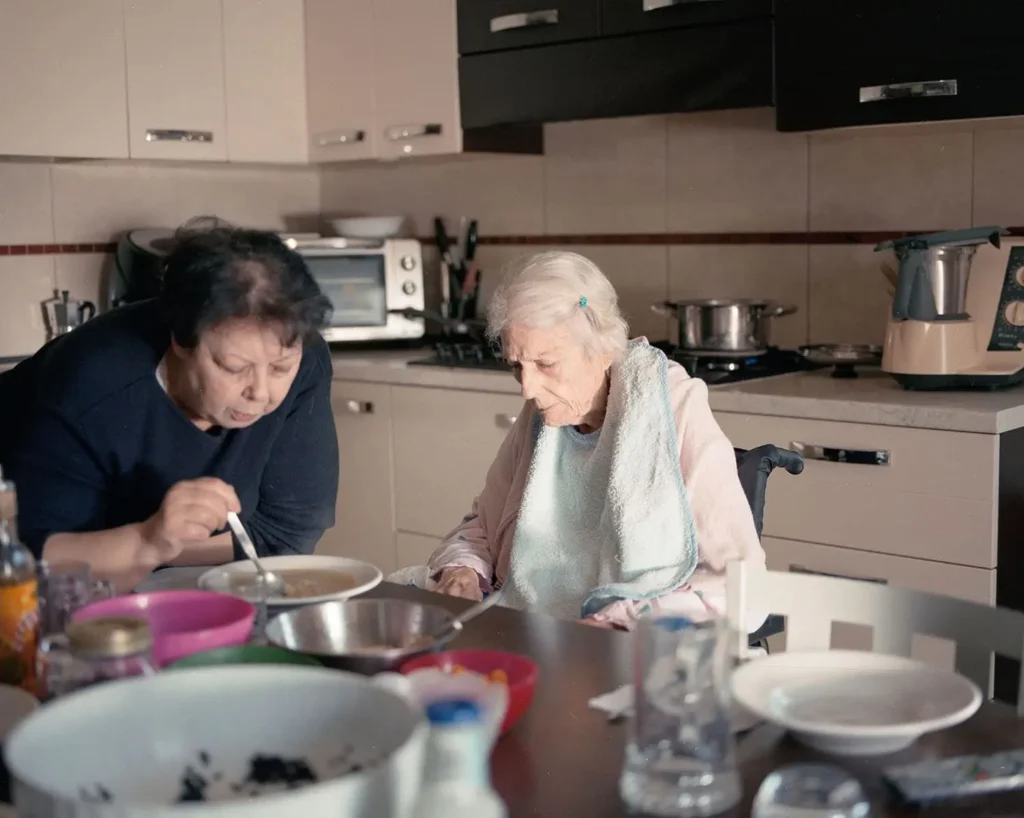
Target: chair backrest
column 812, row 603
column 754, row 466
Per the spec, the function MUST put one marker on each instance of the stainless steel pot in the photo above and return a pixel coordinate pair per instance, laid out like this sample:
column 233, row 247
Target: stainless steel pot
column 723, row 325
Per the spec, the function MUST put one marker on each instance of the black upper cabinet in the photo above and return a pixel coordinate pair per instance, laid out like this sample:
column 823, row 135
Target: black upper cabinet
column 841, row 63
column 630, row 16
column 536, row 61
column 494, row 25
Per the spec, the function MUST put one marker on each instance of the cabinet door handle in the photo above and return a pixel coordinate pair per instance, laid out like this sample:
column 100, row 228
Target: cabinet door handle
column 506, row 421
column 341, row 138
column 831, row 454
column 801, row 569
column 524, row 19
column 172, row 135
column 358, row 407
column 908, row 90
column 396, row 133
column 654, row 5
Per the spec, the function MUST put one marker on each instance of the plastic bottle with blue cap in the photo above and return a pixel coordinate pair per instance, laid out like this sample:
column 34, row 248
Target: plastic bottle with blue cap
column 456, row 779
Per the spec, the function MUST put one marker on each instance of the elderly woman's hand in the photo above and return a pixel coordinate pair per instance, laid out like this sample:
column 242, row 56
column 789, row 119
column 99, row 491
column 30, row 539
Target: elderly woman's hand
column 460, row 581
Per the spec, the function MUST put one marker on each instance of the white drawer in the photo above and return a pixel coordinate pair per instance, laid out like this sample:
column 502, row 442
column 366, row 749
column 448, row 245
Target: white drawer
column 935, row 498
column 444, row 444
column 973, row 584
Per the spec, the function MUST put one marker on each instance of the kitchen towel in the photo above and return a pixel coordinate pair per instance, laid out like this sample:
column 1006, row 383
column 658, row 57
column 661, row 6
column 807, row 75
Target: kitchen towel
column 605, row 516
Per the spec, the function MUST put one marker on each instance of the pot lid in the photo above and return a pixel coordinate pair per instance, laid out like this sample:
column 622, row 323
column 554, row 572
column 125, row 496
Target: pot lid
column 848, row 354
column 950, row 238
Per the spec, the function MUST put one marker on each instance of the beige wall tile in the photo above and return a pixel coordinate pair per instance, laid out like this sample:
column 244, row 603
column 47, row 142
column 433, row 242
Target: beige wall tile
column 849, row 297
column 999, row 177
column 25, row 282
column 605, row 176
column 504, row 193
column 26, row 216
column 732, row 171
column 776, row 272
column 889, row 180
column 97, row 202
column 84, row 276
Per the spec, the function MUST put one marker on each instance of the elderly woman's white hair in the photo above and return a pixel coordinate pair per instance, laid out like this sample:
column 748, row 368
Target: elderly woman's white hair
column 549, row 289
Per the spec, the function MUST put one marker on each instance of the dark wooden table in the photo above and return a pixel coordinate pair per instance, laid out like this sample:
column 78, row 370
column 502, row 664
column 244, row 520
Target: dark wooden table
column 563, row 759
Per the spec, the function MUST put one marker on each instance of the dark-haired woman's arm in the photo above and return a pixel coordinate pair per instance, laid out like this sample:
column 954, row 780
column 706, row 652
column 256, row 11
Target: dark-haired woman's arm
column 299, row 487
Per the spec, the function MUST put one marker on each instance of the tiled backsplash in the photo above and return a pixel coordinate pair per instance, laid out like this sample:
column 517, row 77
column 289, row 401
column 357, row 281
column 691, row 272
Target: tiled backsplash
column 765, row 214
column 69, row 213
column 719, row 173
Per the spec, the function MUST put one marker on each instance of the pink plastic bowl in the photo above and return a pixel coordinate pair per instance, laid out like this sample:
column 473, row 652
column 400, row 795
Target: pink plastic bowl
column 182, row 622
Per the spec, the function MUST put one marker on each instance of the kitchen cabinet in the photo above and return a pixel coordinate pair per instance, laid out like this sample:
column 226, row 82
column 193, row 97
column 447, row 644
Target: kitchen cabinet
column 870, row 62
column 265, row 81
column 175, row 64
column 363, row 527
column 495, row 25
column 444, row 444
column 63, row 90
column 631, row 16
column 340, row 39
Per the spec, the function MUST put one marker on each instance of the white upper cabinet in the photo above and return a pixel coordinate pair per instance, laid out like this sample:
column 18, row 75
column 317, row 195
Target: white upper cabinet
column 416, row 71
column 265, row 80
column 175, row 62
column 340, row 79
column 62, row 90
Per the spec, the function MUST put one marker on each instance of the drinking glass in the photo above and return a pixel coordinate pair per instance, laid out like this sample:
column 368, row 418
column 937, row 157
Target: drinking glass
column 680, row 756
column 64, row 588
column 812, row 791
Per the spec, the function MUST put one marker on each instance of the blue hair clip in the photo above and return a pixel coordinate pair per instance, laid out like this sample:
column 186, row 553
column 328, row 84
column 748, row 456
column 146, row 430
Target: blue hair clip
column 583, row 301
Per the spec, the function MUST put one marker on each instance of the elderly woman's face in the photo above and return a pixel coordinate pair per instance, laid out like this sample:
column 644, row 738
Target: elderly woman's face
column 567, row 385
column 239, row 372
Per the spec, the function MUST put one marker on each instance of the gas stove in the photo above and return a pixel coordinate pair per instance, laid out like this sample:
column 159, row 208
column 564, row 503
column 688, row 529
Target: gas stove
column 713, row 369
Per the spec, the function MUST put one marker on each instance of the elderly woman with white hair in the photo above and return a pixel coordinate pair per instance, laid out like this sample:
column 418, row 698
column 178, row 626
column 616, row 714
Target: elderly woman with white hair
column 616, row 492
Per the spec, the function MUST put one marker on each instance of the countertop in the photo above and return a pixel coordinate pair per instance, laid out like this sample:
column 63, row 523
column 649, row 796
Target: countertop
column 872, row 398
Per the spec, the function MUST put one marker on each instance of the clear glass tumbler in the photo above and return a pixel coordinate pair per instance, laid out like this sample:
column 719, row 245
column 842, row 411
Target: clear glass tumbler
column 680, row 756
column 64, row 588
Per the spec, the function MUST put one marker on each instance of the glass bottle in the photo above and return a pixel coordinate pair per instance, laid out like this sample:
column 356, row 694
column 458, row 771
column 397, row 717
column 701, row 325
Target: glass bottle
column 19, row 599
column 94, row 651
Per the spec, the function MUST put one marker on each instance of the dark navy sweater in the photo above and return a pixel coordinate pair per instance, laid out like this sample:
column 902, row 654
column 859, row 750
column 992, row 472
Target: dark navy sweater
column 93, row 442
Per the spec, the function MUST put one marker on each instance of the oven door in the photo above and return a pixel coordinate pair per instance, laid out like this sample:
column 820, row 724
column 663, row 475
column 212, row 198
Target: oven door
column 365, row 287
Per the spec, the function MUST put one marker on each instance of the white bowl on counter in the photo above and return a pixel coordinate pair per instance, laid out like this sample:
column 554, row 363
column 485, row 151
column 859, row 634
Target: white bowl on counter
column 363, row 575
column 370, row 227
column 234, row 735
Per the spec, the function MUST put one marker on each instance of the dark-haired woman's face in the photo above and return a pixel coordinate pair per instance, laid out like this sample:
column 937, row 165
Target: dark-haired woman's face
column 239, row 372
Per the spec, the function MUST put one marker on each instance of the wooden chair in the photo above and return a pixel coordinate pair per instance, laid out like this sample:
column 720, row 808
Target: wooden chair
column 812, row 603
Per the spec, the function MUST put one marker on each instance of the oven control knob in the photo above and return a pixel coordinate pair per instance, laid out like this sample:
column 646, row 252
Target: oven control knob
column 1014, row 313
column 409, row 287
column 408, row 263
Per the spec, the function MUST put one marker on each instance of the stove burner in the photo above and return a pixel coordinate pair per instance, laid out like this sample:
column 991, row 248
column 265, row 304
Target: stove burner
column 464, row 355
column 718, row 368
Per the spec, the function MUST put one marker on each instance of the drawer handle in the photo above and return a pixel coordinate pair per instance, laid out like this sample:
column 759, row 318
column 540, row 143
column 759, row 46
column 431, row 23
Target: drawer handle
column 506, row 421
column 341, row 138
column 801, row 569
column 358, row 407
column 172, row 135
column 908, row 90
column 524, row 19
column 863, row 457
column 397, row 133
column 654, row 5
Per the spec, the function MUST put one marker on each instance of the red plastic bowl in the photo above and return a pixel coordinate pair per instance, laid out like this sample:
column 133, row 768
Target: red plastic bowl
column 521, row 673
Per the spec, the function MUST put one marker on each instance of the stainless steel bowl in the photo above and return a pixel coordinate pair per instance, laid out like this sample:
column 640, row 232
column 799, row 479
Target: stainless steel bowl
column 353, row 634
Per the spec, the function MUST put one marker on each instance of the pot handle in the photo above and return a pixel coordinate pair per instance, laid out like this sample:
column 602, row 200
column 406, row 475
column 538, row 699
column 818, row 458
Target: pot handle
column 779, row 310
column 666, row 309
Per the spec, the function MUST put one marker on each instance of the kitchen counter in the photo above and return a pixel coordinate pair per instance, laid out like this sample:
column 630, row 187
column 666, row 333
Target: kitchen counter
column 872, row 398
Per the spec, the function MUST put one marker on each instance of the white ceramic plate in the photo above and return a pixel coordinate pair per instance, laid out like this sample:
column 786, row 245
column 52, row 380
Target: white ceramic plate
column 365, row 575
column 370, row 227
column 853, row 702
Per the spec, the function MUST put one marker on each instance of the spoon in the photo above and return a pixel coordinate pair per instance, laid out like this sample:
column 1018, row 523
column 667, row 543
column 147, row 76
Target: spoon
column 271, row 581
column 472, row 612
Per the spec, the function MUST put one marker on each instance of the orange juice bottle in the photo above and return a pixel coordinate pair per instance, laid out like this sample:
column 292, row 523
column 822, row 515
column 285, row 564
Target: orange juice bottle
column 19, row 602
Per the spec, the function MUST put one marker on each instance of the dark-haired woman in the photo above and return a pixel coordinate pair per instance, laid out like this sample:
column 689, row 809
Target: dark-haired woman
column 131, row 438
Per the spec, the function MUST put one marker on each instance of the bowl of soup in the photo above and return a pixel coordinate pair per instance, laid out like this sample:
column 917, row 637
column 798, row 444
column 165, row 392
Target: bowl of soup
column 308, row 580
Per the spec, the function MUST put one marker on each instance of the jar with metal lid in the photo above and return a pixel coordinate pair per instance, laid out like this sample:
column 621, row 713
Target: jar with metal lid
column 95, row 651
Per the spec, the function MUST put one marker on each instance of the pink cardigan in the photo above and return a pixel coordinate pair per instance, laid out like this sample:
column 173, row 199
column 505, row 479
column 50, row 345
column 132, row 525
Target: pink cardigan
column 721, row 513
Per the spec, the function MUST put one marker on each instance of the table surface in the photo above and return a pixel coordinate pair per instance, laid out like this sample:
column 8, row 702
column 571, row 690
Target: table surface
column 563, row 758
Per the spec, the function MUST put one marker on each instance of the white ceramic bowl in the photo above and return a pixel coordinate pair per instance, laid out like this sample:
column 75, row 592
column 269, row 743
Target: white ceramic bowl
column 854, row 703
column 128, row 747
column 373, row 227
column 366, row 576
